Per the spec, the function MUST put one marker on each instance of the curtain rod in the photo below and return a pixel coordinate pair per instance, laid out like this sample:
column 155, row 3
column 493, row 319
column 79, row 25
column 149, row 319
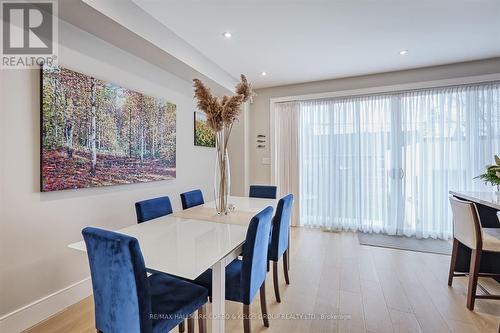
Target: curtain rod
column 396, row 92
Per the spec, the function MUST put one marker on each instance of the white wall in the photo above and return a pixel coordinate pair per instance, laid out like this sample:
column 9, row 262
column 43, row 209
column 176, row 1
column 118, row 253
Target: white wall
column 259, row 110
column 35, row 228
column 238, row 154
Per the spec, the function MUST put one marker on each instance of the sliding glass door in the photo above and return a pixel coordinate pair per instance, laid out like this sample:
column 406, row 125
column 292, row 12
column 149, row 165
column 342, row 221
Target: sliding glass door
column 348, row 177
column 449, row 136
column 386, row 163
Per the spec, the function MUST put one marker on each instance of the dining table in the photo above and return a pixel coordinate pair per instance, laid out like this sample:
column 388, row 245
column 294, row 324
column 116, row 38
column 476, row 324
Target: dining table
column 488, row 207
column 187, row 243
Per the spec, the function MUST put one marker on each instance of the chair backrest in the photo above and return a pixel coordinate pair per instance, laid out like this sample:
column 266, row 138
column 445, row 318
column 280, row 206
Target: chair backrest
column 152, row 208
column 119, row 281
column 192, row 198
column 255, row 254
column 281, row 227
column 262, row 191
column 466, row 224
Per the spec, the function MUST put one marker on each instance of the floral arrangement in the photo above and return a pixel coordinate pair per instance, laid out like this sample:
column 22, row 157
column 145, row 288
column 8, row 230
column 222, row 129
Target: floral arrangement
column 221, row 115
column 222, row 112
column 492, row 174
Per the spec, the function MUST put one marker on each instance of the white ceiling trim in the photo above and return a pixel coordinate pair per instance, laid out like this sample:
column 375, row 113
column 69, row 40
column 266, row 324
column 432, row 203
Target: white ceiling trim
column 390, row 89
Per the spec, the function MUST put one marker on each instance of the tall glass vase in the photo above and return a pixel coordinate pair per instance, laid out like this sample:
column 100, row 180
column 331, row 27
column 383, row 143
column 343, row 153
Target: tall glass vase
column 222, row 180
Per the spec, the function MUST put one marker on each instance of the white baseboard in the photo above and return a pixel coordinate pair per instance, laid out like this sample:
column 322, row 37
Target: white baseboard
column 33, row 313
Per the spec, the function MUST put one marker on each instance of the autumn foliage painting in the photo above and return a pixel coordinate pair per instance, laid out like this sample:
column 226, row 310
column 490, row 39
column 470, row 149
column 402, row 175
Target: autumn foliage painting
column 203, row 134
column 95, row 133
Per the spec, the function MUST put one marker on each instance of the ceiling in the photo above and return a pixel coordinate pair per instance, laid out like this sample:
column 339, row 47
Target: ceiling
column 299, row 41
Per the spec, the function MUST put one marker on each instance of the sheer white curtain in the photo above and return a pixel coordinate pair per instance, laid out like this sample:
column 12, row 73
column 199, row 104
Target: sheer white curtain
column 286, row 162
column 345, row 159
column 449, row 136
column 386, row 163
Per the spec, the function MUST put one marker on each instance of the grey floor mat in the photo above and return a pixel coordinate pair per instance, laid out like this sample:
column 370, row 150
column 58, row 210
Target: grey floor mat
column 430, row 245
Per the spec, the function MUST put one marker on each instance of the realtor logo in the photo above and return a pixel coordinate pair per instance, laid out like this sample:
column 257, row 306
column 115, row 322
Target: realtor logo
column 29, row 32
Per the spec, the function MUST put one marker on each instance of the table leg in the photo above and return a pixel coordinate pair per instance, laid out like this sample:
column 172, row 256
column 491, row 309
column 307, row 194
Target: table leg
column 218, row 296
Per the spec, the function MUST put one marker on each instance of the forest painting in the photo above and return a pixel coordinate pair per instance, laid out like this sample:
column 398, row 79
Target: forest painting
column 203, row 134
column 95, row 133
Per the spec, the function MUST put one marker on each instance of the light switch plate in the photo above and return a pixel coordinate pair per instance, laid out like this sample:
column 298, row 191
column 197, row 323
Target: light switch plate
column 266, row 161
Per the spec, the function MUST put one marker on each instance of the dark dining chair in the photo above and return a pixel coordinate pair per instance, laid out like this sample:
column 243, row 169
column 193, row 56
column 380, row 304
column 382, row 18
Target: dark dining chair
column 126, row 299
column 262, row 191
column 152, row 208
column 468, row 231
column 246, row 276
column 191, row 199
column 279, row 246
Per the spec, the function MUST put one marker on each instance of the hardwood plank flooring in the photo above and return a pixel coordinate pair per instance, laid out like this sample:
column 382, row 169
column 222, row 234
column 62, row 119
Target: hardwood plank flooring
column 379, row 290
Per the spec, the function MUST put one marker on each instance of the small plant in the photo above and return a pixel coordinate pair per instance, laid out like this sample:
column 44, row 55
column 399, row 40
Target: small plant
column 492, row 174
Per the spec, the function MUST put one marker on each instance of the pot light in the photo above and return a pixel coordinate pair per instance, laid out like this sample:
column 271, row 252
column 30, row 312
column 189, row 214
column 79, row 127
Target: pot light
column 227, row 34
column 263, row 73
column 403, row 52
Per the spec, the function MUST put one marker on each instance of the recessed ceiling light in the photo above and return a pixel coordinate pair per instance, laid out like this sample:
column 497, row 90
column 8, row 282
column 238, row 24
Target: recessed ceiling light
column 227, row 34
column 263, row 73
column 403, row 52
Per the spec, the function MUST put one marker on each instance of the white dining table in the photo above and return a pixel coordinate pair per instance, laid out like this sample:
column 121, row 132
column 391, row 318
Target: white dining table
column 187, row 243
column 243, row 209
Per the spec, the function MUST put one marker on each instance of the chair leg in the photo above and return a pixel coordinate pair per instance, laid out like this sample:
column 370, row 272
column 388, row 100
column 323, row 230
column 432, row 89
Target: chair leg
column 247, row 327
column 202, row 319
column 275, row 282
column 288, row 249
column 453, row 261
column 190, row 321
column 475, row 261
column 263, row 304
column 285, row 266
column 268, row 266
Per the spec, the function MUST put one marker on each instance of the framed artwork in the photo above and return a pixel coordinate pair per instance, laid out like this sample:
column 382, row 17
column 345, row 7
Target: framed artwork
column 94, row 133
column 203, row 135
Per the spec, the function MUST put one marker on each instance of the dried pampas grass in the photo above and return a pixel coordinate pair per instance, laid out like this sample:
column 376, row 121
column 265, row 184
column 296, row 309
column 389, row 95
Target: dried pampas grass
column 222, row 113
column 244, row 88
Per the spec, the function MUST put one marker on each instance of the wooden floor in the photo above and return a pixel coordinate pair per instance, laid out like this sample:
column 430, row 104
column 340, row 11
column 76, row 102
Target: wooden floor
column 377, row 289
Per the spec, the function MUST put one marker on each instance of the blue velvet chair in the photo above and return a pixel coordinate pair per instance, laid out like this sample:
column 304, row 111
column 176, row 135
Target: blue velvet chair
column 192, row 198
column 152, row 208
column 262, row 191
column 125, row 299
column 244, row 277
column 280, row 236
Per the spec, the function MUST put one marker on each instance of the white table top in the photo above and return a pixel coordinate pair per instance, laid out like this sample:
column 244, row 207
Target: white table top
column 182, row 247
column 245, row 209
column 489, row 199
